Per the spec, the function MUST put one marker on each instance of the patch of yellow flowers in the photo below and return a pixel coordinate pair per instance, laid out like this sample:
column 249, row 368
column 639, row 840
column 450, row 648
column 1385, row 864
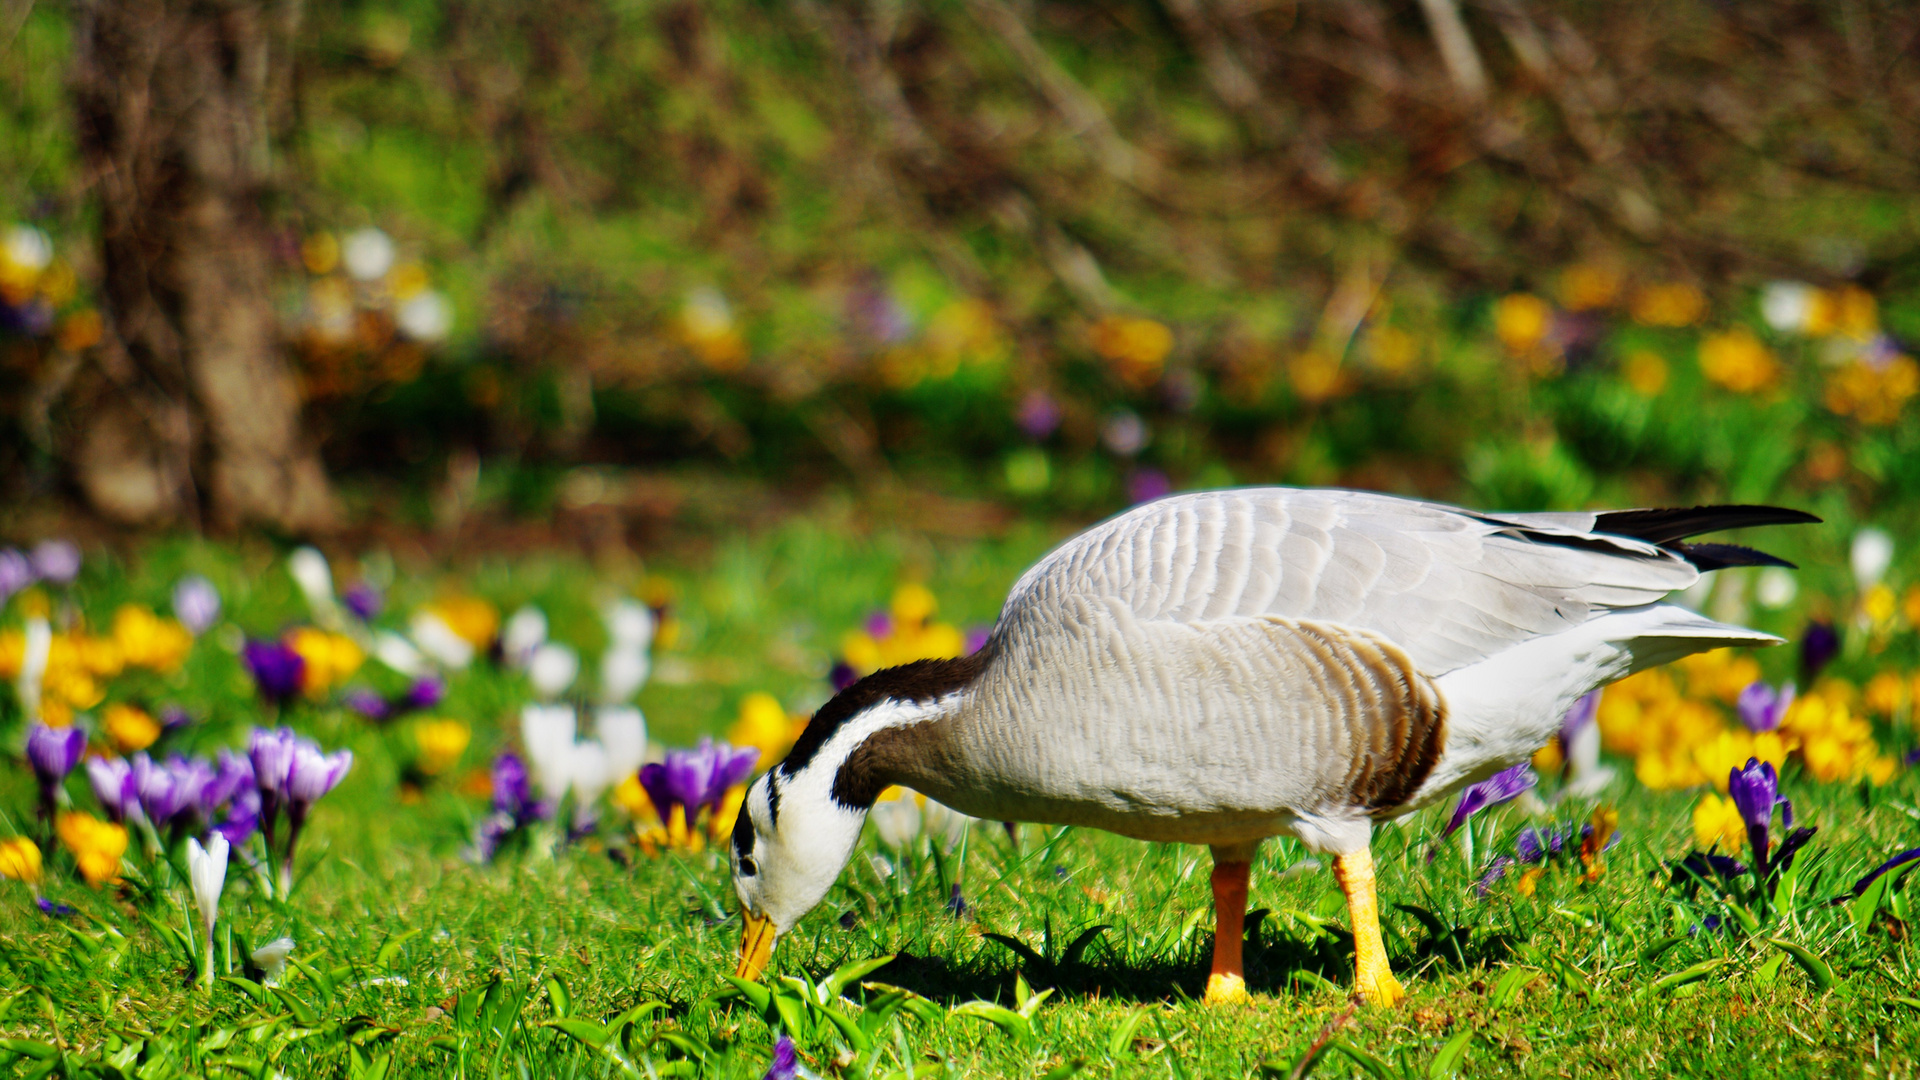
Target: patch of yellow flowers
column 80, row 663
column 914, row 635
column 1674, row 723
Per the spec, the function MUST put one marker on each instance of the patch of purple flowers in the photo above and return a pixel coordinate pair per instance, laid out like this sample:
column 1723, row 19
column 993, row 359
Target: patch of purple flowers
column 290, row 773
column 364, row 601
column 1500, row 787
column 514, row 808
column 424, row 693
column 696, row 779
column 1761, row 707
column 277, row 670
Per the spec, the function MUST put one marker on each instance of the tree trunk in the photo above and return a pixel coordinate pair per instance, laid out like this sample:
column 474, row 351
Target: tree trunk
column 191, row 411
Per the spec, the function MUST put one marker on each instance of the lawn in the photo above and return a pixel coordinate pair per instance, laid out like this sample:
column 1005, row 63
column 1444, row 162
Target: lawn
column 1074, row 952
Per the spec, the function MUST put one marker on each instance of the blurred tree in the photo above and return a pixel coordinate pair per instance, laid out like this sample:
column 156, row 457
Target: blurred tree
column 190, row 408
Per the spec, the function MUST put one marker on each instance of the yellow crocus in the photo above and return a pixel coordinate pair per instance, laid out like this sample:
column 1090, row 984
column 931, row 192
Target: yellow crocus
column 441, row 743
column 1718, row 821
column 764, row 725
column 330, row 658
column 129, row 727
column 475, row 620
column 148, row 641
column 20, row 859
column 97, row 846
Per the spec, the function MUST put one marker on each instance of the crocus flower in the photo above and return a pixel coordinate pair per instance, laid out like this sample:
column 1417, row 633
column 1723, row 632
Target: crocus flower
column 1494, row 790
column 271, row 959
column 364, row 601
column 1038, row 414
column 623, row 672
column 53, row 752
column 786, row 1066
column 630, row 625
column 697, row 778
column 20, row 859
column 547, row 732
column 56, row 561
column 160, row 792
column 310, row 774
column 1870, row 555
column 514, row 808
column 207, row 872
column 368, row 704
column 277, row 669
column 896, row 822
column 525, row 631
column 1818, row 646
column 112, row 783
column 552, row 669
column 196, row 603
column 1146, row 485
column 1755, row 790
column 16, row 573
column 310, row 571
column 1761, row 707
column 623, row 731
column 97, row 846
column 1580, row 743
column 842, row 676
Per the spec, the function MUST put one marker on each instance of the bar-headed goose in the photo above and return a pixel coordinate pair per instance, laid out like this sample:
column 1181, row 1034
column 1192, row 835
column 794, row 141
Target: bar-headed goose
column 1220, row 667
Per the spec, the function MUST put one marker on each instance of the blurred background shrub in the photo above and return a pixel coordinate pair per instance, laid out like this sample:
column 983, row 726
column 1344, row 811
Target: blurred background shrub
column 526, row 262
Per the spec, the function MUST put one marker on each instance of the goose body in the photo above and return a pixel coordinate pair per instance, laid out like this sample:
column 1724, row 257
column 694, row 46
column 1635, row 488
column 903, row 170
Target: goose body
column 1221, row 667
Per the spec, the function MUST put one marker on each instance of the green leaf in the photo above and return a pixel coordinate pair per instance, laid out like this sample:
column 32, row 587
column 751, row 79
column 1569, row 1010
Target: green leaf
column 1766, row 973
column 585, row 1031
column 1911, row 1003
column 1065, row 1069
column 998, row 1015
column 557, row 996
column 320, row 979
column 757, row 994
column 1122, row 1036
column 258, row 992
column 1507, row 989
column 1372, row 1063
column 1816, row 968
column 1686, row 975
column 1313, row 980
column 1081, row 942
column 1864, row 906
column 38, row 1051
column 303, row 1013
column 851, row 973
column 1659, row 948
column 390, row 949
column 685, row 1043
column 920, row 1007
column 849, row 1030
column 1447, row 1061
column 1018, row 946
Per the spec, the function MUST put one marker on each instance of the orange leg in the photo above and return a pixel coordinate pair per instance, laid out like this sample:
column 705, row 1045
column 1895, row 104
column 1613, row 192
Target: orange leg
column 1373, row 978
column 1227, row 982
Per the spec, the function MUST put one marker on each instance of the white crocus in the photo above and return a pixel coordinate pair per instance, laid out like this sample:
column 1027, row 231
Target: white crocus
column 525, row 631
column 623, row 731
column 1776, row 588
column 897, row 821
column 315, row 578
column 1787, row 306
column 33, row 664
column 552, row 669
column 945, row 824
column 630, row 625
column 547, row 731
column 622, row 673
column 439, row 641
column 271, row 959
column 399, row 654
column 1586, row 777
column 207, row 873
column 1871, row 555
column 590, row 774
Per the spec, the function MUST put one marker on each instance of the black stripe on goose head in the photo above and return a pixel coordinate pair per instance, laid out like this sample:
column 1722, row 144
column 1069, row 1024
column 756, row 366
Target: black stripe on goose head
column 918, row 682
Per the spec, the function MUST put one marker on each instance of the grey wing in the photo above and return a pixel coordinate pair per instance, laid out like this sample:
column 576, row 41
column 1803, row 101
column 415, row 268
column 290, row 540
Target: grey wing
column 1449, row 586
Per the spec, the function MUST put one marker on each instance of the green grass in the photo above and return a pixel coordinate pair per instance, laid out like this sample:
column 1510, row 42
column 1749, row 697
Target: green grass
column 421, row 964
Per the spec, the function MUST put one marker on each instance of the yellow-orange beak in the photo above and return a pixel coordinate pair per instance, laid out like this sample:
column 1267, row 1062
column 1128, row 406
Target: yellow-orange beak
column 756, row 945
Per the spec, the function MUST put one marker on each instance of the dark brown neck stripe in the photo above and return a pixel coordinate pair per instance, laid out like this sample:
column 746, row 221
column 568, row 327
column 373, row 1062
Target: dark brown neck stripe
column 918, row 682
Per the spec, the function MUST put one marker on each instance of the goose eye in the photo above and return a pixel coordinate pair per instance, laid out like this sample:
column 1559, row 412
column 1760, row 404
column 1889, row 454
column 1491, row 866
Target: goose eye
column 747, row 866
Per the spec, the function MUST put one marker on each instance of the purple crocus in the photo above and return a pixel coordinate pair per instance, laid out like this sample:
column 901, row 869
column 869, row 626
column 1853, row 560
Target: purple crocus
column 514, row 807
column 697, row 778
column 1496, row 870
column 1534, row 845
column 425, row 693
column 54, row 752
column 270, row 751
column 1146, row 485
column 196, row 603
column 786, row 1064
column 1038, row 415
column 1818, row 647
column 1755, row 791
column 277, row 670
column 313, row 774
column 16, row 573
column 112, row 783
column 842, row 676
column 1585, row 711
column 56, row 561
column 290, row 772
column 1761, row 707
column 364, row 601
column 368, row 704
column 879, row 624
column 1860, row 887
column 977, row 638
column 1494, row 790
column 161, row 794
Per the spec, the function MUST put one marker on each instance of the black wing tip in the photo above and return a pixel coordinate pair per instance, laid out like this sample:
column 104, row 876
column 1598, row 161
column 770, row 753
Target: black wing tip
column 1706, row 557
column 1664, row 525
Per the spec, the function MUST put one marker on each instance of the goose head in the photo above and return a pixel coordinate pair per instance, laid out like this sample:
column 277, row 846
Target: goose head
column 800, row 821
